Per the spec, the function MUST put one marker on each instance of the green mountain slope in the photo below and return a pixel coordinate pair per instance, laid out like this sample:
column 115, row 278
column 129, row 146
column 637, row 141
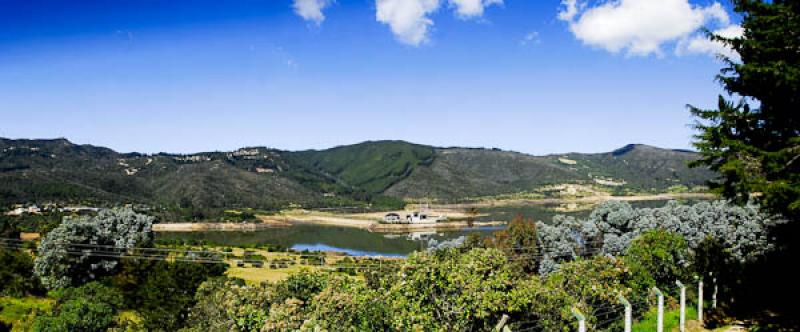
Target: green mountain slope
column 371, row 166
column 257, row 177
column 458, row 173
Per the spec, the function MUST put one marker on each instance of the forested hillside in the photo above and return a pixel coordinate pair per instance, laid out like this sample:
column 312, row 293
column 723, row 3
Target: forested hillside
column 367, row 173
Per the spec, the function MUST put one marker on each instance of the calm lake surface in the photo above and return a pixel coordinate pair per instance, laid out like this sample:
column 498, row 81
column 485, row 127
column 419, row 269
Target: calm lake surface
column 359, row 242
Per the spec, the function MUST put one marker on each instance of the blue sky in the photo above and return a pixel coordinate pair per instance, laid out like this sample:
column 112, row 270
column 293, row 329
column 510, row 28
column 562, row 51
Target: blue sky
column 188, row 76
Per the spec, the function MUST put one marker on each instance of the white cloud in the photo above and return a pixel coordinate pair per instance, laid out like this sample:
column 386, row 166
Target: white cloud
column 569, row 11
column 638, row 27
column 408, row 19
column 700, row 44
column 311, row 10
column 467, row 9
column 531, row 38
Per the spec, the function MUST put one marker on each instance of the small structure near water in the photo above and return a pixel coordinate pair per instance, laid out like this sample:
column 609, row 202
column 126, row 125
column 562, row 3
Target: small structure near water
column 391, row 218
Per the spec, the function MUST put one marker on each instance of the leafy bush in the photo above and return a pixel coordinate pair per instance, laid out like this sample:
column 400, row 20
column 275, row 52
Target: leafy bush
column 301, row 286
column 347, row 304
column 91, row 307
column 224, row 304
column 449, row 291
column 519, row 241
column 658, row 258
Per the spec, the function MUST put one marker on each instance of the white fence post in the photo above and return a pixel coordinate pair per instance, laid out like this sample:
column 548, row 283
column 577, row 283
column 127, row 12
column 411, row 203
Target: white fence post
column 581, row 320
column 660, row 321
column 683, row 305
column 714, row 293
column 501, row 326
column 628, row 313
column 699, row 299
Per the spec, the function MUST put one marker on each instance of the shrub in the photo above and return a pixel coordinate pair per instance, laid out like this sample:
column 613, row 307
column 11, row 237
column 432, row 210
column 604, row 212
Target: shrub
column 347, row 304
column 658, row 258
column 519, row 242
column 223, row 304
column 446, row 290
column 302, row 286
column 91, row 307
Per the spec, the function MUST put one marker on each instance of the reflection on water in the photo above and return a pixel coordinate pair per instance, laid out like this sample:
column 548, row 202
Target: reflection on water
column 351, row 252
column 359, row 242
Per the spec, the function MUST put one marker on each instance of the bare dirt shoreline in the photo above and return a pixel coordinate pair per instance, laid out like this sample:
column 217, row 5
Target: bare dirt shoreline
column 580, row 200
column 369, row 226
column 371, row 221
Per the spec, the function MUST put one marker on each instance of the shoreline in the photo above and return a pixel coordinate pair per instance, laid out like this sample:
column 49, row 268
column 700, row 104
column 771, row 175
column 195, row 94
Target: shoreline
column 375, row 227
column 579, row 200
column 209, row 226
column 371, row 221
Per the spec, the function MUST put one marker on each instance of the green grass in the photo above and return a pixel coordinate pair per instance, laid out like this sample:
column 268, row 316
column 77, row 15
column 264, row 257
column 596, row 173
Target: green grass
column 18, row 311
column 671, row 319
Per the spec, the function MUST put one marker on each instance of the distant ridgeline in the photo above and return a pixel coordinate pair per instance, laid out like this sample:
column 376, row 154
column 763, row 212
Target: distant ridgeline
column 371, row 173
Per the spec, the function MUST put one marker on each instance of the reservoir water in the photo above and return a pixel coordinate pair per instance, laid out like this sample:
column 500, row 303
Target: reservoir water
column 359, row 242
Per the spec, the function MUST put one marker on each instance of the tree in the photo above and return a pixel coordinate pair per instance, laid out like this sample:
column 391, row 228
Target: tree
column 348, row 304
column 754, row 142
column 86, row 248
column 446, row 290
column 16, row 274
column 472, row 214
column 225, row 304
column 163, row 292
column 91, row 307
column 658, row 258
column 519, row 242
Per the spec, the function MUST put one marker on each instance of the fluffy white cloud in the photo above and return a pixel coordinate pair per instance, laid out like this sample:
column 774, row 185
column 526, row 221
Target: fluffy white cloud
column 700, row 44
column 408, row 19
column 311, row 10
column 638, row 27
column 472, row 8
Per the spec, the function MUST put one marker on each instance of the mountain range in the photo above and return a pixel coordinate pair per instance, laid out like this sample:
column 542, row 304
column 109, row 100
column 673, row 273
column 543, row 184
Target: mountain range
column 374, row 172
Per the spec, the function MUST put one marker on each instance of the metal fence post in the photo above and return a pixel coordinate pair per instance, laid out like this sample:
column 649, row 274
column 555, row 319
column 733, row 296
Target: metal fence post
column 683, row 305
column 628, row 313
column 660, row 321
column 581, row 320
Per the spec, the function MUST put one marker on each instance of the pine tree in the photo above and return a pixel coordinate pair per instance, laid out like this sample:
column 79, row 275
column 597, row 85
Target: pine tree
column 753, row 137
